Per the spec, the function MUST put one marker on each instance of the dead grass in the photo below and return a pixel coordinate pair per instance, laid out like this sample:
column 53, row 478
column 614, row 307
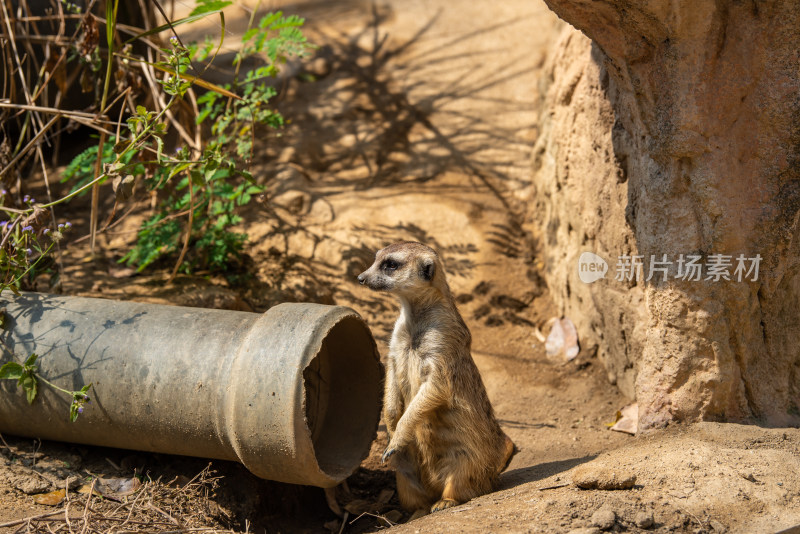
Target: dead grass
column 157, row 506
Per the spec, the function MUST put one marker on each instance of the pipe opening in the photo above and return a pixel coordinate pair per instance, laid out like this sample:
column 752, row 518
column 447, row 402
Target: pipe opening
column 343, row 384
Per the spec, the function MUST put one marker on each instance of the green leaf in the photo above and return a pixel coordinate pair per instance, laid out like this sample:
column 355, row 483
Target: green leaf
column 31, row 389
column 179, row 169
column 268, row 19
column 31, row 360
column 111, row 22
column 206, row 7
column 197, row 177
column 249, row 34
column 29, row 384
column 11, row 371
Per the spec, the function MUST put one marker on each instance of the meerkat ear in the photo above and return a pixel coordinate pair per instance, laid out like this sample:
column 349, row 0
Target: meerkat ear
column 427, row 270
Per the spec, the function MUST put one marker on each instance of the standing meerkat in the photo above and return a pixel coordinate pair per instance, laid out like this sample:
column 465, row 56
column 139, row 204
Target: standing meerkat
column 444, row 440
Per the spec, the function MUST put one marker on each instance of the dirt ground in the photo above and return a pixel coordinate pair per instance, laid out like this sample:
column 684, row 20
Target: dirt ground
column 419, row 125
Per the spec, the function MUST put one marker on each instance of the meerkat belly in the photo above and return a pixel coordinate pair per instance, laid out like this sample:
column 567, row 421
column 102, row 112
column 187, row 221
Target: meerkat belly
column 408, row 375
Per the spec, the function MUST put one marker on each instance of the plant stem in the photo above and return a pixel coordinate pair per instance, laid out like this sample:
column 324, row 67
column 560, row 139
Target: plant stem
column 77, row 191
column 46, row 381
column 111, row 19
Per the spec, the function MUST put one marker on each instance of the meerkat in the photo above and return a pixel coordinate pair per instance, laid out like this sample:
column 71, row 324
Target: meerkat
column 444, row 440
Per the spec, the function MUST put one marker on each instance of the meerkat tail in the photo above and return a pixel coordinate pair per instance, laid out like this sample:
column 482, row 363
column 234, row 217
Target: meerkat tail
column 508, row 453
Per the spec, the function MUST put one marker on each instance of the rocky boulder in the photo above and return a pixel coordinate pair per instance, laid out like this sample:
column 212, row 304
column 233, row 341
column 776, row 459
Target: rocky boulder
column 670, row 148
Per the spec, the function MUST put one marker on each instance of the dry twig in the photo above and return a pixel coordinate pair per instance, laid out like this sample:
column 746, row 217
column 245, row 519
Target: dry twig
column 186, row 509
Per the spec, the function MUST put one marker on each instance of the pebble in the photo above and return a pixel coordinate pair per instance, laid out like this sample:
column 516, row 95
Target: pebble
column 718, row 527
column 602, row 478
column 604, row 519
column 31, row 485
column 644, row 520
column 585, row 530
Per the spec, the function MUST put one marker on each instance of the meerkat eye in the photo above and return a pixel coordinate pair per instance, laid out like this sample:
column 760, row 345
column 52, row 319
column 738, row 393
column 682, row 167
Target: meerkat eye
column 389, row 265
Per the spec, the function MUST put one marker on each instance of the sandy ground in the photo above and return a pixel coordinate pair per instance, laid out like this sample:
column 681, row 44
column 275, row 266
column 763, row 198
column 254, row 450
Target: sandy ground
column 419, row 126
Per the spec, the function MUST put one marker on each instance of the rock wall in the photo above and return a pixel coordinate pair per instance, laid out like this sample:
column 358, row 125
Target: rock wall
column 677, row 132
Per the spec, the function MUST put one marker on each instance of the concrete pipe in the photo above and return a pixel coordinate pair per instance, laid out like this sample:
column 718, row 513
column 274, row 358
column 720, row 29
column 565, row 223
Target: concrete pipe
column 294, row 394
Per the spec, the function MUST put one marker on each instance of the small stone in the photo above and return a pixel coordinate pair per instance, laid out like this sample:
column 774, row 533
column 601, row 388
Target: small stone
column 585, row 530
column 31, row 484
column 604, row 519
column 602, row 478
column 717, row 526
column 644, row 520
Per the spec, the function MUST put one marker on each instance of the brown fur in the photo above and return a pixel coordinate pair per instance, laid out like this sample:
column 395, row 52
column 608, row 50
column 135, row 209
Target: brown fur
column 445, row 441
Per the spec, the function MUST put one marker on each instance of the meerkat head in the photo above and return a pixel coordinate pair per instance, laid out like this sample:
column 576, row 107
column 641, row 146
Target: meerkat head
column 403, row 268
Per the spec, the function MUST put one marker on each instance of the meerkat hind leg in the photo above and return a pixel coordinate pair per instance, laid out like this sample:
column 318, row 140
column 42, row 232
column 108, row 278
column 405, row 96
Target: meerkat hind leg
column 410, row 494
column 449, row 497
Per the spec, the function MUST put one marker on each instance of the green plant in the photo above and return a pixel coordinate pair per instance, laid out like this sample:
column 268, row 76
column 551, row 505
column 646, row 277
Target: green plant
column 213, row 185
column 206, row 185
column 23, row 249
column 200, row 176
column 27, row 377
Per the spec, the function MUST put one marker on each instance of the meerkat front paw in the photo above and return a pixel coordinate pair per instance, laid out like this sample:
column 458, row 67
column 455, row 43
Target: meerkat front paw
column 388, row 453
column 444, row 504
column 396, row 445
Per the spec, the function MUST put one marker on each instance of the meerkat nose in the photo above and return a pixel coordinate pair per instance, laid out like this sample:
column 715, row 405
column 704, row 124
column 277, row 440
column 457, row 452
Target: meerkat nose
column 361, row 279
